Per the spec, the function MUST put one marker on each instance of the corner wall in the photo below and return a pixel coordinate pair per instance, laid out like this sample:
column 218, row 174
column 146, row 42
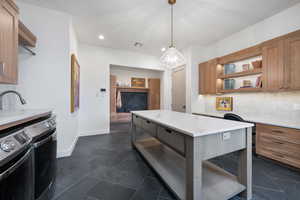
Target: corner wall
column 45, row 79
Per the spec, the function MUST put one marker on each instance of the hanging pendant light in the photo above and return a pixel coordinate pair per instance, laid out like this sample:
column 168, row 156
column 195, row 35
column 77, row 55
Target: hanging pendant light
column 172, row 57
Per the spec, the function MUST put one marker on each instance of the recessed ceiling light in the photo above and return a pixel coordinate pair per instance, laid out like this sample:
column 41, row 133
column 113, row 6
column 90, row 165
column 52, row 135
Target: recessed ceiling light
column 101, row 37
column 163, row 49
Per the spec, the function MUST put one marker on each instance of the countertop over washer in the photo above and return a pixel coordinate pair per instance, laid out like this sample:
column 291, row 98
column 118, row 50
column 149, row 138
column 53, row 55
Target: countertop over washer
column 10, row 118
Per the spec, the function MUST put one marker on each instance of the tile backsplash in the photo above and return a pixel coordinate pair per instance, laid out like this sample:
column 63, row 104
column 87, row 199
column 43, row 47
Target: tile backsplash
column 285, row 105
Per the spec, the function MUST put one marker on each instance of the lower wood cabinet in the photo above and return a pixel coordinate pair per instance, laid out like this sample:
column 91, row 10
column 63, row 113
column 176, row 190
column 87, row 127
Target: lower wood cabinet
column 278, row 143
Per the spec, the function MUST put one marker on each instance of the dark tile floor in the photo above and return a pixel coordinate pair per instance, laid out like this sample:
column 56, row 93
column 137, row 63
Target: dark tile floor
column 107, row 168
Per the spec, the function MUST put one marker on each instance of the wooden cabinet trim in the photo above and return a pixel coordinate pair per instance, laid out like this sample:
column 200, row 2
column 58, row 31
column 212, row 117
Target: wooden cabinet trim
column 26, row 37
column 241, row 55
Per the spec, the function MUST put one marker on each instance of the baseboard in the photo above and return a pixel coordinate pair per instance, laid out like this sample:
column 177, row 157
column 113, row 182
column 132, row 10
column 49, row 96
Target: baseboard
column 69, row 151
column 97, row 132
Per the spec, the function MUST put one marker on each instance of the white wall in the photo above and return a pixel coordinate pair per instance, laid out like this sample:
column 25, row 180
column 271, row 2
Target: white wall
column 278, row 105
column 44, row 79
column 124, row 74
column 95, row 69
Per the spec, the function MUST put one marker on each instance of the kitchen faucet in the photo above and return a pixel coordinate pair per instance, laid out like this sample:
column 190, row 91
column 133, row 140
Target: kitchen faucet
column 22, row 100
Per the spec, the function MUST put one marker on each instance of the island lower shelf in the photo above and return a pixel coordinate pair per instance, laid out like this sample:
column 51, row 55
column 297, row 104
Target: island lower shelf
column 217, row 184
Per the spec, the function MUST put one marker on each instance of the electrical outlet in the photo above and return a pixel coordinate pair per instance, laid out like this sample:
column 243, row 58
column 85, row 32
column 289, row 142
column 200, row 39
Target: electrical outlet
column 226, row 136
column 296, row 106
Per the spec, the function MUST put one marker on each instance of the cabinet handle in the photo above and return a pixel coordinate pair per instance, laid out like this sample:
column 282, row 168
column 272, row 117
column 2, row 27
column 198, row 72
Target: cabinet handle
column 168, row 130
column 278, row 142
column 2, row 67
column 277, row 131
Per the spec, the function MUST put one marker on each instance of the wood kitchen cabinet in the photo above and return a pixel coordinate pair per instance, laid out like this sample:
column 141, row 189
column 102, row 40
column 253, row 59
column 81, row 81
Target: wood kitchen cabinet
column 292, row 61
column 208, row 76
column 9, row 16
column 273, row 65
column 281, row 61
column 278, row 143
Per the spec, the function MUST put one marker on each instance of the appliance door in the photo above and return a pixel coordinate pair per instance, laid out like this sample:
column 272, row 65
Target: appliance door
column 17, row 178
column 45, row 163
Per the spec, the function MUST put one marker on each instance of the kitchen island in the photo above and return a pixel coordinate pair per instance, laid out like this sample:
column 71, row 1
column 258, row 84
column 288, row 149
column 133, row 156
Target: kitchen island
column 178, row 145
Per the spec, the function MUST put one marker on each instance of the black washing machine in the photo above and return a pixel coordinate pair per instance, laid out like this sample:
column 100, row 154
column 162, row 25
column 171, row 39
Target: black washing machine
column 44, row 144
column 16, row 166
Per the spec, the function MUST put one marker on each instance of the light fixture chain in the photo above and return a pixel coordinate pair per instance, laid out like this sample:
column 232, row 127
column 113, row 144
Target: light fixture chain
column 172, row 26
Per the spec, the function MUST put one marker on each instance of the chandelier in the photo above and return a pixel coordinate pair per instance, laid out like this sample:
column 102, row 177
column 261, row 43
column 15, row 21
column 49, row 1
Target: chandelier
column 172, row 57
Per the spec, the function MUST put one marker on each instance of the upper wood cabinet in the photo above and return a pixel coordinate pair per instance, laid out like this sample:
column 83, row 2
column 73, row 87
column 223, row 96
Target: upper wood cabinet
column 273, row 65
column 207, row 77
column 281, row 63
column 9, row 16
column 292, row 61
column 280, row 69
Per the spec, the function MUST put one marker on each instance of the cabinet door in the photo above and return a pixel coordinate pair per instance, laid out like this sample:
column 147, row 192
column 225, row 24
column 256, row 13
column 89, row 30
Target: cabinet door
column 8, row 42
column 273, row 66
column 202, row 78
column 154, row 93
column 212, row 76
column 292, row 62
column 207, row 77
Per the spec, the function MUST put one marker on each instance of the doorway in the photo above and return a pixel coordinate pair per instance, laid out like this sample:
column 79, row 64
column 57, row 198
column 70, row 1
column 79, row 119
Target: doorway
column 132, row 89
column 178, row 90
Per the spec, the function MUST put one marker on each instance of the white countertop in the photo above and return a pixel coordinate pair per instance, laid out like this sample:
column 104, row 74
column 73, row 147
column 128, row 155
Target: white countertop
column 8, row 116
column 192, row 125
column 269, row 120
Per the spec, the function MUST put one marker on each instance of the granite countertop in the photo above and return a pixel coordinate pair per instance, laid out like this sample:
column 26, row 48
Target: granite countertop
column 192, row 125
column 268, row 120
column 8, row 117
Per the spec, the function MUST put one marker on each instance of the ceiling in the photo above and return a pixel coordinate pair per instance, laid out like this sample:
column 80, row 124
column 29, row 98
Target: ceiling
column 124, row 22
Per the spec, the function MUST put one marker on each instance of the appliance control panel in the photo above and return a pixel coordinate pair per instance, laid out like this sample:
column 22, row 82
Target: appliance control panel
column 13, row 143
column 38, row 129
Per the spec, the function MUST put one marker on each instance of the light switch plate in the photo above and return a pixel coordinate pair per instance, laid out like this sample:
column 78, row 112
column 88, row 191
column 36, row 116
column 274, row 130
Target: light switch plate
column 226, row 136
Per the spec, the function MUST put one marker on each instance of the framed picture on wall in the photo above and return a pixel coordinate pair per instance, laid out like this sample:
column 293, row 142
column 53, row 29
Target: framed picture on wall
column 75, row 83
column 224, row 103
column 138, row 82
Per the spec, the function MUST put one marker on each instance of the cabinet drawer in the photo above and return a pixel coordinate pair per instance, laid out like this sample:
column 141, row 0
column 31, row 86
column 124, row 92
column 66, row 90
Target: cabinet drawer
column 146, row 125
column 279, row 133
column 149, row 127
column 137, row 120
column 281, row 147
column 279, row 157
column 171, row 138
column 278, row 143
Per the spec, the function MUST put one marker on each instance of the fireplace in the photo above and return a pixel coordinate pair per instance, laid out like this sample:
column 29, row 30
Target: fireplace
column 131, row 101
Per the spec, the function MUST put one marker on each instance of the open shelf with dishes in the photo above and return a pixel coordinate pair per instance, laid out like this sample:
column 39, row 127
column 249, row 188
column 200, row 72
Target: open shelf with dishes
column 240, row 76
